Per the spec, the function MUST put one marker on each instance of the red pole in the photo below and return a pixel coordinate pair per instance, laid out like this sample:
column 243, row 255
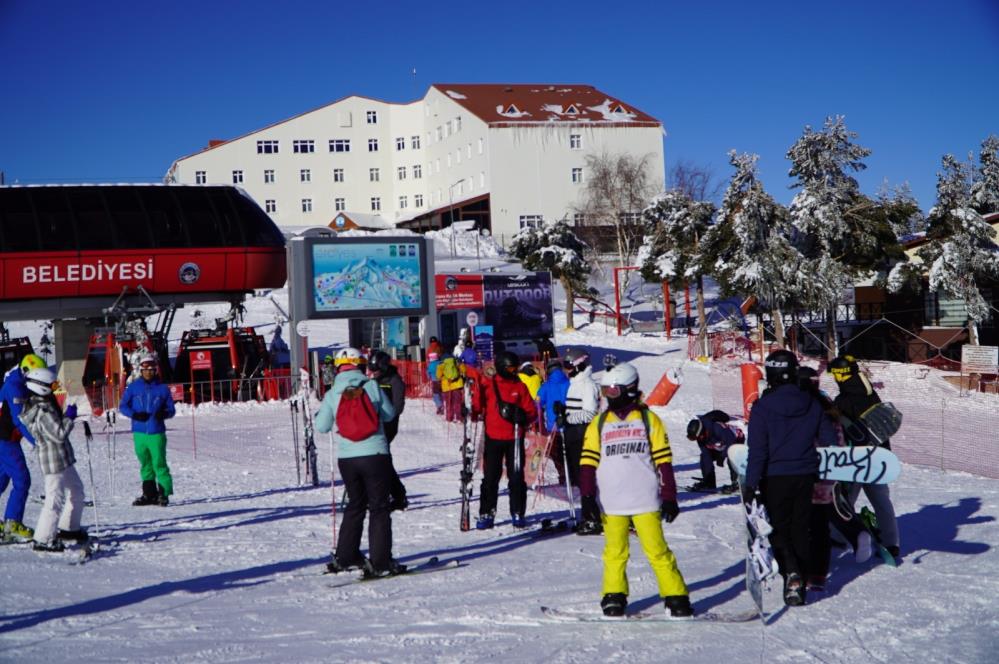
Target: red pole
column 669, row 326
column 617, row 302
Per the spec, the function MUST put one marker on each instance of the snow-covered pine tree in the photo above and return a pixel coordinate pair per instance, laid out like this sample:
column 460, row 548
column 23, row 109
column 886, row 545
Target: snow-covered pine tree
column 961, row 250
column 555, row 247
column 749, row 248
column 985, row 189
column 675, row 227
column 836, row 229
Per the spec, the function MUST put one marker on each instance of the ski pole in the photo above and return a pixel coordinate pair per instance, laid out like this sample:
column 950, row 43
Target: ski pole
column 569, row 496
column 107, row 421
column 333, row 490
column 87, row 436
column 114, row 451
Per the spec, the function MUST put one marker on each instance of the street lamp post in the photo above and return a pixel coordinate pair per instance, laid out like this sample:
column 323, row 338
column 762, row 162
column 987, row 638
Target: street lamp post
column 450, row 197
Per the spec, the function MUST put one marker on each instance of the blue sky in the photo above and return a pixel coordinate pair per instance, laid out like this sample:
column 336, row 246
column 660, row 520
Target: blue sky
column 114, row 91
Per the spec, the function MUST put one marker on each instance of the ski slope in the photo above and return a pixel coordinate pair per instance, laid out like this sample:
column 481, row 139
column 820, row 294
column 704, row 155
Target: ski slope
column 230, row 571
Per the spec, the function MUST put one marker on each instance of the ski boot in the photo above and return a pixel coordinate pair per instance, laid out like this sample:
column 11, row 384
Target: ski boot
column 16, row 532
column 728, row 489
column 816, row 583
column 678, row 606
column 55, row 546
column 518, row 521
column 701, row 486
column 150, row 496
column 394, row 568
column 484, row 522
column 336, row 567
column 794, row 590
column 161, row 497
column 78, row 536
column 589, row 527
column 614, row 604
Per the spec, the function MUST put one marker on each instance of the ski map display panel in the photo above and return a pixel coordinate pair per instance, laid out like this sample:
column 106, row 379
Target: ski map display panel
column 434, row 564
column 467, row 461
column 583, row 615
column 861, row 464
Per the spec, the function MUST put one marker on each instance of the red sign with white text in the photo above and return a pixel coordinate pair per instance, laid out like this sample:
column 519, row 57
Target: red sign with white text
column 459, row 291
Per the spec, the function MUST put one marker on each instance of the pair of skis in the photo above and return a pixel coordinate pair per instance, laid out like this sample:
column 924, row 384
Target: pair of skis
column 467, row 460
column 306, row 453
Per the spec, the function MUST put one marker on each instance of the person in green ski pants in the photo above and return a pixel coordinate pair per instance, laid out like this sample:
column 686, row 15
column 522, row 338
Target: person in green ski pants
column 147, row 403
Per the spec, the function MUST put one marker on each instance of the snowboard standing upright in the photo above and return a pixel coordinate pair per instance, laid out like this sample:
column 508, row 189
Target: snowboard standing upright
column 760, row 563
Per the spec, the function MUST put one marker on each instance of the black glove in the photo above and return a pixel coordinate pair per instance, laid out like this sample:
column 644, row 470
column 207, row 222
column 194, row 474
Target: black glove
column 590, row 509
column 140, row 416
column 161, row 414
column 558, row 408
column 669, row 510
column 749, row 494
column 464, row 411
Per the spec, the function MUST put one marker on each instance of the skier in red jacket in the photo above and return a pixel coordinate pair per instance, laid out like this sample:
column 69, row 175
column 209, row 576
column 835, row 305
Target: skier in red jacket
column 508, row 409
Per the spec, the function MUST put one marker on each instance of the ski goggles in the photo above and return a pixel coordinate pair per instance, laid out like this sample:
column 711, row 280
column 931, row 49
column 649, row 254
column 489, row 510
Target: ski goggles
column 147, row 366
column 612, row 391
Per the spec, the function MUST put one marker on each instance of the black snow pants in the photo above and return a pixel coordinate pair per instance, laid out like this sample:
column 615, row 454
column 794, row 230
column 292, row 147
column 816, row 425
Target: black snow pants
column 368, row 481
column 496, row 454
column 789, row 503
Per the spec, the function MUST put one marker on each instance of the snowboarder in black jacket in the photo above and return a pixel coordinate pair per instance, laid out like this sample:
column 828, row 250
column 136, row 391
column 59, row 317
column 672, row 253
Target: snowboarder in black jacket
column 382, row 370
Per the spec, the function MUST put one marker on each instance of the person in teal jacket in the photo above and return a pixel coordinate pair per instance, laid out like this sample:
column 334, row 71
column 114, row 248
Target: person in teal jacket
column 366, row 468
column 147, row 402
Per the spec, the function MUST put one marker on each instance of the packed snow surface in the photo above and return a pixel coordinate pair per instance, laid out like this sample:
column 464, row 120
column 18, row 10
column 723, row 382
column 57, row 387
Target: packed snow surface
column 231, row 570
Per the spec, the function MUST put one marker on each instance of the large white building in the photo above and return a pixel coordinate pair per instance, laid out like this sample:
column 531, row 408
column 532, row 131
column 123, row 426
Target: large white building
column 504, row 156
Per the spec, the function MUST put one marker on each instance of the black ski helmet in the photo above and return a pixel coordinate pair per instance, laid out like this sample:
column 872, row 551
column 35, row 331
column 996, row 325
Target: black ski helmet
column 694, row 428
column 506, row 363
column 576, row 360
column 843, row 368
column 380, row 362
column 808, row 379
column 781, row 367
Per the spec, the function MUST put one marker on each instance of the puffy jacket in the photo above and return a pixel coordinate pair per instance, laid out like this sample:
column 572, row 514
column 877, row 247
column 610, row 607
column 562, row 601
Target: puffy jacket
column 552, row 390
column 533, row 383
column 511, row 391
column 448, row 385
column 374, row 444
column 856, row 395
column 432, row 370
column 785, row 425
column 51, row 430
column 394, row 389
column 13, row 397
column 582, row 402
column 152, row 397
column 720, row 434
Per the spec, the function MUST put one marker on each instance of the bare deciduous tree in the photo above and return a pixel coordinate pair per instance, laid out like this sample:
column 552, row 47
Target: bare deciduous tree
column 696, row 181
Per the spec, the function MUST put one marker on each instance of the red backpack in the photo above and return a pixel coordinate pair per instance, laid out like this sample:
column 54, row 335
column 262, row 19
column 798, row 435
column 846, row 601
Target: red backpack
column 356, row 417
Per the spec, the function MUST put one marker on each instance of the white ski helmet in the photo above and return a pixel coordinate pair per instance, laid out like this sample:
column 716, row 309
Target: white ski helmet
column 146, row 358
column 40, row 381
column 348, row 356
column 623, row 374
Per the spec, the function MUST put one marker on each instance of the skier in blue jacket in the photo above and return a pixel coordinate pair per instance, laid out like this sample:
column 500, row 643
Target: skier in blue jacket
column 553, row 391
column 785, row 425
column 13, row 468
column 147, row 402
column 366, row 468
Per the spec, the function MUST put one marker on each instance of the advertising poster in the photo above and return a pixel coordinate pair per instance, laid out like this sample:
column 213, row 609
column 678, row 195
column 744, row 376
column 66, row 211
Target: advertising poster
column 459, row 291
column 395, row 332
column 374, row 277
column 484, row 342
column 519, row 306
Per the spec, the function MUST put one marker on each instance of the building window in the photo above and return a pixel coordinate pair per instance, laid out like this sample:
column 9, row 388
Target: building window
column 400, row 143
column 468, row 152
column 578, row 219
column 457, row 155
column 237, row 177
column 482, row 179
column 340, row 145
column 372, row 145
column 439, row 134
column 575, row 141
column 303, row 147
column 437, row 165
column 200, row 177
column 403, row 203
column 270, row 205
column 401, row 172
column 447, row 129
column 374, row 175
column 305, row 175
column 372, row 117
column 417, row 171
column 457, row 124
column 306, row 205
column 415, row 142
column 480, row 146
column 531, row 220
column 337, row 175
column 418, row 200
column 267, row 147
column 449, row 160
column 630, row 217
column 577, row 175
column 268, row 177
column 376, row 204
column 339, row 205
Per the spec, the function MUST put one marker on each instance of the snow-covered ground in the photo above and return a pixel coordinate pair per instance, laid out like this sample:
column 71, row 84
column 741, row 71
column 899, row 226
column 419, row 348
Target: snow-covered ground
column 230, row 571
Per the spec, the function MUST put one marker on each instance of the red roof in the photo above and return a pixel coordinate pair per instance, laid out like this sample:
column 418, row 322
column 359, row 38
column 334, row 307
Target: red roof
column 501, row 104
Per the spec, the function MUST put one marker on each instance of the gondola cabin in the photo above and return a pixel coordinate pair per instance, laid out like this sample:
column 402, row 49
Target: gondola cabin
column 221, row 365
